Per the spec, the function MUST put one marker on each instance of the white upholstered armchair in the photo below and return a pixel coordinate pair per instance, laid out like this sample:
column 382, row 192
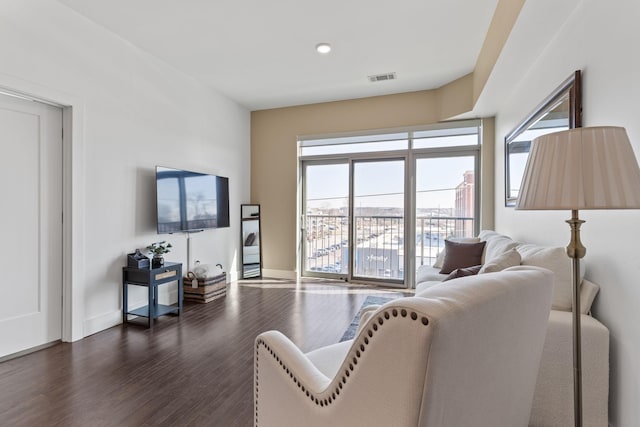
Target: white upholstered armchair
column 464, row 353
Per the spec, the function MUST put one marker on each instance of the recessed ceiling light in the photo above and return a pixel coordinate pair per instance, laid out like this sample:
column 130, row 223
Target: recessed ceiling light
column 323, row 48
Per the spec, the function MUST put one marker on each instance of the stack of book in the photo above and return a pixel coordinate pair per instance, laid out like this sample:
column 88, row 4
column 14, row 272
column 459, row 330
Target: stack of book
column 207, row 290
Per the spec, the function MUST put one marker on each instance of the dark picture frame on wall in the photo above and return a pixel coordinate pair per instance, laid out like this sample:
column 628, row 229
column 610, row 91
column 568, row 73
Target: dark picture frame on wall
column 561, row 110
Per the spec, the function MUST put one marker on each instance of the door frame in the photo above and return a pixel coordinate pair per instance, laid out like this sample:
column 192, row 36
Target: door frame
column 303, row 217
column 73, row 196
column 379, row 157
column 350, row 159
column 410, row 156
column 472, row 151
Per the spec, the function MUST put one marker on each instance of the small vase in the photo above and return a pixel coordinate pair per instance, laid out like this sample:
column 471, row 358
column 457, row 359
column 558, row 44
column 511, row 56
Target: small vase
column 157, row 261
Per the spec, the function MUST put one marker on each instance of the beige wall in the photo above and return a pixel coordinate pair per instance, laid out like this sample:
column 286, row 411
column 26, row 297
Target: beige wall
column 274, row 132
column 274, row 156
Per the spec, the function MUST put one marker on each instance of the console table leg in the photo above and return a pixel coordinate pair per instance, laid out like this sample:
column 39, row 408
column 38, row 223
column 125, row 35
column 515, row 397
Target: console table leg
column 152, row 304
column 180, row 295
column 125, row 302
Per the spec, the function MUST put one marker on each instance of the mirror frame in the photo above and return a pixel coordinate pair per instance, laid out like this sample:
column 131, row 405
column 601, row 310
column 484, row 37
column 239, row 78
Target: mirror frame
column 570, row 89
column 250, row 223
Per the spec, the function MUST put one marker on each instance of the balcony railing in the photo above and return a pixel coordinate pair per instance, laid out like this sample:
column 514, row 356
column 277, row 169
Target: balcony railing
column 431, row 232
column 379, row 243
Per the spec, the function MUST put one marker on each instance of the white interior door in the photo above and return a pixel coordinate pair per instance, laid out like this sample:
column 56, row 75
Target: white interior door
column 31, row 217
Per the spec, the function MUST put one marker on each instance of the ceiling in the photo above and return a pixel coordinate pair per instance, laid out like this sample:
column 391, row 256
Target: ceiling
column 262, row 53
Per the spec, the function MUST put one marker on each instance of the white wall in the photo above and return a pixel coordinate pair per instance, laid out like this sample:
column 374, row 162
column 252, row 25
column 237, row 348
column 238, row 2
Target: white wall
column 130, row 113
column 601, row 38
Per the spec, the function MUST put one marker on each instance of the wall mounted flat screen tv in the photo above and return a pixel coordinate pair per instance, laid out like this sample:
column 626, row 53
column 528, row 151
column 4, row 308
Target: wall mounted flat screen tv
column 190, row 201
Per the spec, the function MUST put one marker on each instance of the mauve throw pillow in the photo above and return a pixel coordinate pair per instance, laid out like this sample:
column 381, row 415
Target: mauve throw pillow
column 461, row 255
column 463, row 272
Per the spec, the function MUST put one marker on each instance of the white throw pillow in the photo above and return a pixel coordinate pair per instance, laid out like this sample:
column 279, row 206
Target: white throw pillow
column 588, row 292
column 511, row 258
column 556, row 260
column 440, row 258
column 497, row 244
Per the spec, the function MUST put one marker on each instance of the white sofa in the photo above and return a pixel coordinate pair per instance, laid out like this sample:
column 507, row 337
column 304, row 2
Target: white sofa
column 461, row 355
column 553, row 400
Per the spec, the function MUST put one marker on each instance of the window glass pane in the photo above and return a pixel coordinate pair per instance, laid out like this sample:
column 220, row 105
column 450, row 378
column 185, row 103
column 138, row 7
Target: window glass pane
column 445, row 203
column 364, row 147
column 378, row 191
column 446, row 141
column 326, row 218
column 354, row 139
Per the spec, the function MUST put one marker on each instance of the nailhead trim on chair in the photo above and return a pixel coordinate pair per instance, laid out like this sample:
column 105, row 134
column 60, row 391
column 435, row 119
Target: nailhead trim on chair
column 351, row 368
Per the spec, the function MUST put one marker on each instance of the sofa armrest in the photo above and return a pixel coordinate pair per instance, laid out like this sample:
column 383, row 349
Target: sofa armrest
column 588, row 292
column 292, row 356
column 553, row 398
column 290, row 391
column 365, row 315
column 283, row 379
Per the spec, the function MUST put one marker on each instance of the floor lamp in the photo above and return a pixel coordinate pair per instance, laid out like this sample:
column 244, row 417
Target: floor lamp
column 582, row 168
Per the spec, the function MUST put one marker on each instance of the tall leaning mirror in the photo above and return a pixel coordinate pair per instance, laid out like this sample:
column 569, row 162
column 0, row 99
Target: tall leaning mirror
column 251, row 246
column 561, row 110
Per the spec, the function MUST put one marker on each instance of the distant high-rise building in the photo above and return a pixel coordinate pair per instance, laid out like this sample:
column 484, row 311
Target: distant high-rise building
column 465, row 205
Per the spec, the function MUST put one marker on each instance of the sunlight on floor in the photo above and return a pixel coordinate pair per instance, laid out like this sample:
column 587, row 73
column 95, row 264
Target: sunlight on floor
column 323, row 287
column 363, row 291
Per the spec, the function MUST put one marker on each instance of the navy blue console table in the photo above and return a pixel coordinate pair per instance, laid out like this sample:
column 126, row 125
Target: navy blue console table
column 151, row 278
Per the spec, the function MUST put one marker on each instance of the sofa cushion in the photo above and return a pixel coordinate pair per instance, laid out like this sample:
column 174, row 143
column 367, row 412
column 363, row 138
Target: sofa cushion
column 463, row 272
column 497, row 244
column 426, row 285
column 461, row 255
column 552, row 258
column 511, row 258
column 440, row 258
column 426, row 273
column 556, row 260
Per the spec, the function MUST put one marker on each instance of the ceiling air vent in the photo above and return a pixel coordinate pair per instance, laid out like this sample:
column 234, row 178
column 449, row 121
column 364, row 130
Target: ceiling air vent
column 382, row 77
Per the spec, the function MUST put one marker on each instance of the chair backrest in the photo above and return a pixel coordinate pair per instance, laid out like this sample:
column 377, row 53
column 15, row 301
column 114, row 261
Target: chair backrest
column 463, row 353
column 485, row 347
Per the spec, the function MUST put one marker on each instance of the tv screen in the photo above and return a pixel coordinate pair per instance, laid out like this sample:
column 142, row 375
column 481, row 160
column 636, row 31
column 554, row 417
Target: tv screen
column 190, row 201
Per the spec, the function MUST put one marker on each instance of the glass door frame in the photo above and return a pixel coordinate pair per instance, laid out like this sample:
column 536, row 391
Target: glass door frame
column 303, row 217
column 379, row 157
column 410, row 156
column 350, row 159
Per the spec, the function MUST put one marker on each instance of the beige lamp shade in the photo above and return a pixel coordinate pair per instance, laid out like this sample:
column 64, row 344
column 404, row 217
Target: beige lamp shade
column 582, row 168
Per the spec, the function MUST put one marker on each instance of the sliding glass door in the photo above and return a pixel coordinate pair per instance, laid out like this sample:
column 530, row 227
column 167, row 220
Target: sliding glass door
column 325, row 230
column 445, row 201
column 354, row 207
column 377, row 206
column 378, row 217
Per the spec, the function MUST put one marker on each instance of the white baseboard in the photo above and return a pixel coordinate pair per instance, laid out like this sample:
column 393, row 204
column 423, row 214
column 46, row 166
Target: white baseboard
column 101, row 322
column 113, row 318
column 279, row 274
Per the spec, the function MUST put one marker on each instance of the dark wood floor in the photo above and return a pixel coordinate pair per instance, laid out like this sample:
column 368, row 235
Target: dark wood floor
column 196, row 369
